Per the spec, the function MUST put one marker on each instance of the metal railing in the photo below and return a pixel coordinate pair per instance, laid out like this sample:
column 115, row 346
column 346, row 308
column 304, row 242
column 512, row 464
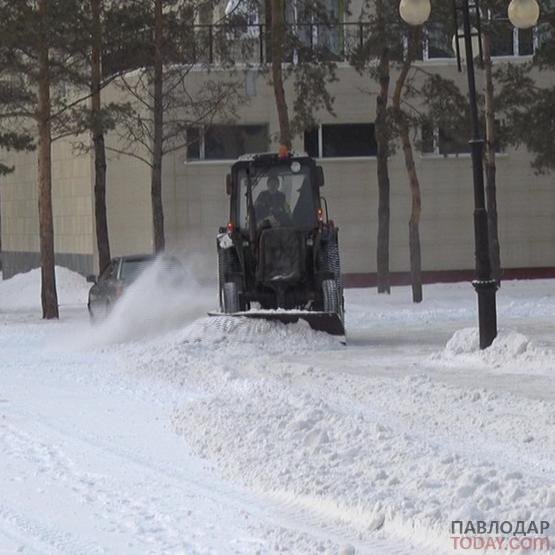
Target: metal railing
column 237, row 44
column 231, row 44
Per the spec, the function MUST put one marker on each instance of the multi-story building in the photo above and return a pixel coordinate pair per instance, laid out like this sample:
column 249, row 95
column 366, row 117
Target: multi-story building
column 195, row 203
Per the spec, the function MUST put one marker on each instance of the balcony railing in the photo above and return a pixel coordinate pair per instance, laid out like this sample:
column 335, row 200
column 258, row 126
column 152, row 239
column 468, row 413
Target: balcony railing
column 248, row 44
column 228, row 45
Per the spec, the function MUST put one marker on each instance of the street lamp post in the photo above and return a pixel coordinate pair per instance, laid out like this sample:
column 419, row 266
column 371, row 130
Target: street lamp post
column 523, row 14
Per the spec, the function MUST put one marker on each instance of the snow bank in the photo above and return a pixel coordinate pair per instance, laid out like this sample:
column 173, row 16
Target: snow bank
column 510, row 352
column 338, row 450
column 22, row 291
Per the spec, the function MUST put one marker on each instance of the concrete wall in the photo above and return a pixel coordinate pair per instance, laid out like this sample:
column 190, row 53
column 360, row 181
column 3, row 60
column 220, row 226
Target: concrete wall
column 128, row 204
column 72, row 211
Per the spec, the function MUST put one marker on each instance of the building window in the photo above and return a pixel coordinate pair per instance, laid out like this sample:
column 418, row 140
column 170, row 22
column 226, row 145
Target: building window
column 226, row 142
column 343, row 140
column 438, row 39
column 544, row 32
column 319, row 32
column 438, row 141
column 527, row 41
column 506, row 40
column 312, row 142
column 194, row 143
column 503, row 39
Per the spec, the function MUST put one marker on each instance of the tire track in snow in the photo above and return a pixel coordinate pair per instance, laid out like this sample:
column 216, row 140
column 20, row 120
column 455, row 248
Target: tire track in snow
column 288, row 516
column 43, row 538
column 12, row 541
column 122, row 511
column 48, row 461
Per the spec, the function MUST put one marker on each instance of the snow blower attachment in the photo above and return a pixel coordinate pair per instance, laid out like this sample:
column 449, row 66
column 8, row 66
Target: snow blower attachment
column 278, row 257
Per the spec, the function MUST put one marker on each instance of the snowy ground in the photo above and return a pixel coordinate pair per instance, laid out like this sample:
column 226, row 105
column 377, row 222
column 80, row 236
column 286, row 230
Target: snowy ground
column 164, row 431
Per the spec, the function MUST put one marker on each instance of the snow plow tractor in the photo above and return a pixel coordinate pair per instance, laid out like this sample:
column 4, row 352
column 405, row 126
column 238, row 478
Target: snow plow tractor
column 278, row 257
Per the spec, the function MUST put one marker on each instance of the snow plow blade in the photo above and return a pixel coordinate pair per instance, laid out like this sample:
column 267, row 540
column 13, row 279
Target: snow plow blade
column 328, row 322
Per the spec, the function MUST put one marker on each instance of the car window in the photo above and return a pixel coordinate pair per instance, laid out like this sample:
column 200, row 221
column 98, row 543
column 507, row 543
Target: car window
column 131, row 269
column 110, row 271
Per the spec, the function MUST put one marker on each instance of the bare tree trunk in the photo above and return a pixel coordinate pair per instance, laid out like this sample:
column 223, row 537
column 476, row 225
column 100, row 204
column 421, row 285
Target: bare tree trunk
column 49, row 297
column 382, row 139
column 414, row 184
column 277, row 74
column 491, row 169
column 102, row 237
column 157, row 152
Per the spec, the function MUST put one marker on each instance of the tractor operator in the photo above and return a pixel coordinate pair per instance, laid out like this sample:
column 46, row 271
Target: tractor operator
column 271, row 205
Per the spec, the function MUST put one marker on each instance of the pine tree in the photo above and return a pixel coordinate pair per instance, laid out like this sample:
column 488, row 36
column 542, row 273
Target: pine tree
column 383, row 135
column 381, row 51
column 277, row 36
column 382, row 45
column 403, row 125
column 527, row 98
column 407, row 120
column 101, row 220
column 36, row 41
column 12, row 138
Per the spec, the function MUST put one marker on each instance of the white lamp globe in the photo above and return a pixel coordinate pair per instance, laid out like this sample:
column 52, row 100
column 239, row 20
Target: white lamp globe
column 415, row 12
column 524, row 13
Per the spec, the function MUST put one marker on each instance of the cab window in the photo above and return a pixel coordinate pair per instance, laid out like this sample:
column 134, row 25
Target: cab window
column 294, row 190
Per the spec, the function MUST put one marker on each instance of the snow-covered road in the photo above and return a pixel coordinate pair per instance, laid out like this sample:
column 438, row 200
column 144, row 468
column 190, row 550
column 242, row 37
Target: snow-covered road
column 226, row 436
column 92, row 464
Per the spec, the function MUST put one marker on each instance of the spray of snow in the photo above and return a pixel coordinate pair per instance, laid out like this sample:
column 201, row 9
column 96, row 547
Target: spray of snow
column 154, row 304
column 22, row 291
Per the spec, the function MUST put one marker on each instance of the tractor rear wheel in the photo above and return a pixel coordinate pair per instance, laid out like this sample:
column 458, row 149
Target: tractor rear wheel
column 331, row 296
column 329, row 261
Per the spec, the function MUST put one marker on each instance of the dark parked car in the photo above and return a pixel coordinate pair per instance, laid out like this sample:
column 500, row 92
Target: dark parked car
column 113, row 281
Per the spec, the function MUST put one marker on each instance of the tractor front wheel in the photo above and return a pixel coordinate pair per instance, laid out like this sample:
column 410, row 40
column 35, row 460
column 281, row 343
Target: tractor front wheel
column 231, row 297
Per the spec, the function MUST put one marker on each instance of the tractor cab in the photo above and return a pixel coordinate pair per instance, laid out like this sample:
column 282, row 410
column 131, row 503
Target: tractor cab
column 277, row 252
column 272, row 192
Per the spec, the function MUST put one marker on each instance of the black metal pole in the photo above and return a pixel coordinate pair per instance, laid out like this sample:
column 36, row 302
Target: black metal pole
column 485, row 286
